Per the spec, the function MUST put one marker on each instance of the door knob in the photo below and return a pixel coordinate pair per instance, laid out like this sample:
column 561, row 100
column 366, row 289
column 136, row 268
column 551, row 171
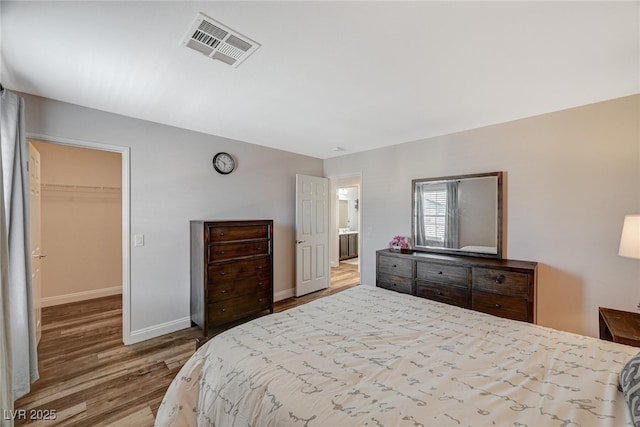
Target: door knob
column 300, row 241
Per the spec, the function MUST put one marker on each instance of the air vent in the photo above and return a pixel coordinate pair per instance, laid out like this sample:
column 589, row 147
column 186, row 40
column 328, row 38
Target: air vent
column 218, row 41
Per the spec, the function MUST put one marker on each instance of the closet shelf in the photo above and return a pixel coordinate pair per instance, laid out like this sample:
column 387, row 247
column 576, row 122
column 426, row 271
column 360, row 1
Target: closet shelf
column 79, row 188
column 80, row 193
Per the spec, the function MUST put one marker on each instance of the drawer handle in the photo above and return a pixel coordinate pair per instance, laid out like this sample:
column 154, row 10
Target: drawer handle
column 439, row 272
column 259, row 267
column 221, row 252
column 224, row 291
column 394, row 266
column 222, row 233
column 500, row 279
column 439, row 293
column 258, row 249
column 223, row 273
column 259, row 299
column 498, row 306
column 223, row 310
column 260, row 283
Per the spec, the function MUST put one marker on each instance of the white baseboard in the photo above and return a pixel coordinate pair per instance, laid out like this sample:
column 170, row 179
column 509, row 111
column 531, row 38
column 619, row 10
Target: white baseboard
column 144, row 333
column 158, row 330
column 179, row 324
column 279, row 296
column 80, row 296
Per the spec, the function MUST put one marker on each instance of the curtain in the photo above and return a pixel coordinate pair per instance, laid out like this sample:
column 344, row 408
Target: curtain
column 18, row 317
column 452, row 229
column 421, row 238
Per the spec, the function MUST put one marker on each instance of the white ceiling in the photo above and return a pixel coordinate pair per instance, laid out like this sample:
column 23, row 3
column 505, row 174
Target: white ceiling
column 356, row 75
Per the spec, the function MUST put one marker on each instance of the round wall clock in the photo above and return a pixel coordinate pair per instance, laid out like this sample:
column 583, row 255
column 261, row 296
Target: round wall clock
column 224, row 163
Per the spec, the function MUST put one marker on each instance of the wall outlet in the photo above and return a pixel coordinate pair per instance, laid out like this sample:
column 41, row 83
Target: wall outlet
column 138, row 240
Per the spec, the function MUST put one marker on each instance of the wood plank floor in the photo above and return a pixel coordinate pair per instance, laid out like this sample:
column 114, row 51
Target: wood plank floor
column 89, row 378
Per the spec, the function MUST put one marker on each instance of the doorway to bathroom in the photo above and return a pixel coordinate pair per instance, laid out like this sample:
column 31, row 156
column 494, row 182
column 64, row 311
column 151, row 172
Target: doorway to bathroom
column 346, row 226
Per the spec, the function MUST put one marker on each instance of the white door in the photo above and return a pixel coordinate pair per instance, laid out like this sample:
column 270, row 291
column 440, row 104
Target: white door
column 312, row 235
column 35, row 244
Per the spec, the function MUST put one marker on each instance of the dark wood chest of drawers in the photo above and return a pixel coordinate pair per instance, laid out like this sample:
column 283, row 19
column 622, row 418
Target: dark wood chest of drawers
column 231, row 272
column 504, row 288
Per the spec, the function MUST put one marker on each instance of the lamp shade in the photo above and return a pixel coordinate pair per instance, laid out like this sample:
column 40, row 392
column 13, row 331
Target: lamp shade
column 630, row 240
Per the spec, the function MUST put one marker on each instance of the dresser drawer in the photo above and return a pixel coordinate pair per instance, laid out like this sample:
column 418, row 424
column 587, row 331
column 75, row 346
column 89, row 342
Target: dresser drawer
column 500, row 305
column 500, row 281
column 394, row 283
column 402, row 267
column 225, row 251
column 224, row 290
column 239, row 269
column 237, row 308
column 227, row 233
column 442, row 273
column 454, row 295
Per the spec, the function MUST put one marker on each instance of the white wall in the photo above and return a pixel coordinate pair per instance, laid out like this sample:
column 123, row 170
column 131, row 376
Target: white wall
column 172, row 182
column 571, row 176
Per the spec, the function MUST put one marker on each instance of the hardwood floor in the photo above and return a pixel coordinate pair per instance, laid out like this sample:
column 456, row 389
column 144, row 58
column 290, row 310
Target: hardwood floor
column 89, row 378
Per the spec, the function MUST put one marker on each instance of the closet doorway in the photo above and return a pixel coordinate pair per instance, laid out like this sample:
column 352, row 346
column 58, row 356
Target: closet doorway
column 346, row 227
column 83, row 205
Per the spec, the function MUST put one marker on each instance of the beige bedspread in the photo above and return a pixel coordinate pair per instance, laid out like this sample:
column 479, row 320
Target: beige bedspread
column 371, row 357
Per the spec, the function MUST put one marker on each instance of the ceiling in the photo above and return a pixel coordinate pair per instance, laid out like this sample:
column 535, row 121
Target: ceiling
column 356, row 75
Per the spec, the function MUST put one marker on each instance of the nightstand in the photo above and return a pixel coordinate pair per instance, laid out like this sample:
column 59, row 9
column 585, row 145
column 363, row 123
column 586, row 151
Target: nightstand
column 619, row 326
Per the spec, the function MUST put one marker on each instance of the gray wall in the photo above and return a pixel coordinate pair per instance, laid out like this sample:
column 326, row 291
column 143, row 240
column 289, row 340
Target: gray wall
column 172, row 182
column 571, row 176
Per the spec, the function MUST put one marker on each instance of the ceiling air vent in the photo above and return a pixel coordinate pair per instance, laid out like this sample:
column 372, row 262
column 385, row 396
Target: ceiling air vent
column 218, row 41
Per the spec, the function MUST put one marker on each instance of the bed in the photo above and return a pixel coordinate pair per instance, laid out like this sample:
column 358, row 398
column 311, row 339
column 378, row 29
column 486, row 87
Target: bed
column 371, row 357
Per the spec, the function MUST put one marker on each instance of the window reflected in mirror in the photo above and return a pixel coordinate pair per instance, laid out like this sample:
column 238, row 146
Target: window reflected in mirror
column 460, row 214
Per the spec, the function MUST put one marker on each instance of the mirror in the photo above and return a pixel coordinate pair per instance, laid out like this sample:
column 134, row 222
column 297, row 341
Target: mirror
column 459, row 215
column 343, row 214
column 347, row 209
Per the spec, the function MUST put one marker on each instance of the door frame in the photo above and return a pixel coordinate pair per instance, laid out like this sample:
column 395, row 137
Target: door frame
column 36, row 257
column 125, row 153
column 335, row 182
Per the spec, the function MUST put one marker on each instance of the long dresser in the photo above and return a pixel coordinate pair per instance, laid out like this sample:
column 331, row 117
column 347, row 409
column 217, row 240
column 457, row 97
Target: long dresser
column 231, row 272
column 501, row 287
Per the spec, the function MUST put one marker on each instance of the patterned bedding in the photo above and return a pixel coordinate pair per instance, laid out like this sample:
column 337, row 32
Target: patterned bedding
column 371, row 357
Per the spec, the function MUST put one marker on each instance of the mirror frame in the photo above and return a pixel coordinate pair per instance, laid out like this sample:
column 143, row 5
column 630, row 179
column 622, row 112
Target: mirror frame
column 451, row 251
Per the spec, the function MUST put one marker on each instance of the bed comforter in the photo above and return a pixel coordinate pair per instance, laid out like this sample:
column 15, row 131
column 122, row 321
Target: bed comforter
column 371, row 357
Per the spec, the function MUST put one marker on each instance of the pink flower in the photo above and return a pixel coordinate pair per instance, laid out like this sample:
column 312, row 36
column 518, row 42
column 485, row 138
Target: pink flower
column 400, row 241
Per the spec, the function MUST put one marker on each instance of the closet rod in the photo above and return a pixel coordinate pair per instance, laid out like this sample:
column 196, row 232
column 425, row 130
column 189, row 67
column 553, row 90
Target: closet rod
column 77, row 187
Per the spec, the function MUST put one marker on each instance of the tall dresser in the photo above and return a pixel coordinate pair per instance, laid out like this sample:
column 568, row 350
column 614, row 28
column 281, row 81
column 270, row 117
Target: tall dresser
column 502, row 287
column 231, row 272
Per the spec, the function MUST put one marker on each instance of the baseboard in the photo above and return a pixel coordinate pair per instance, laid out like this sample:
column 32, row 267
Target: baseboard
column 80, row 296
column 279, row 296
column 158, row 330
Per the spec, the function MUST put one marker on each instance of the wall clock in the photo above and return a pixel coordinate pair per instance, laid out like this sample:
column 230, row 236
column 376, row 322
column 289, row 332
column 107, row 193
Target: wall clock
column 224, row 163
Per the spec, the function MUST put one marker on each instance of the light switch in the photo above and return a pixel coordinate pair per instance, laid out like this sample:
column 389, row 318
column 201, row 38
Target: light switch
column 138, row 240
